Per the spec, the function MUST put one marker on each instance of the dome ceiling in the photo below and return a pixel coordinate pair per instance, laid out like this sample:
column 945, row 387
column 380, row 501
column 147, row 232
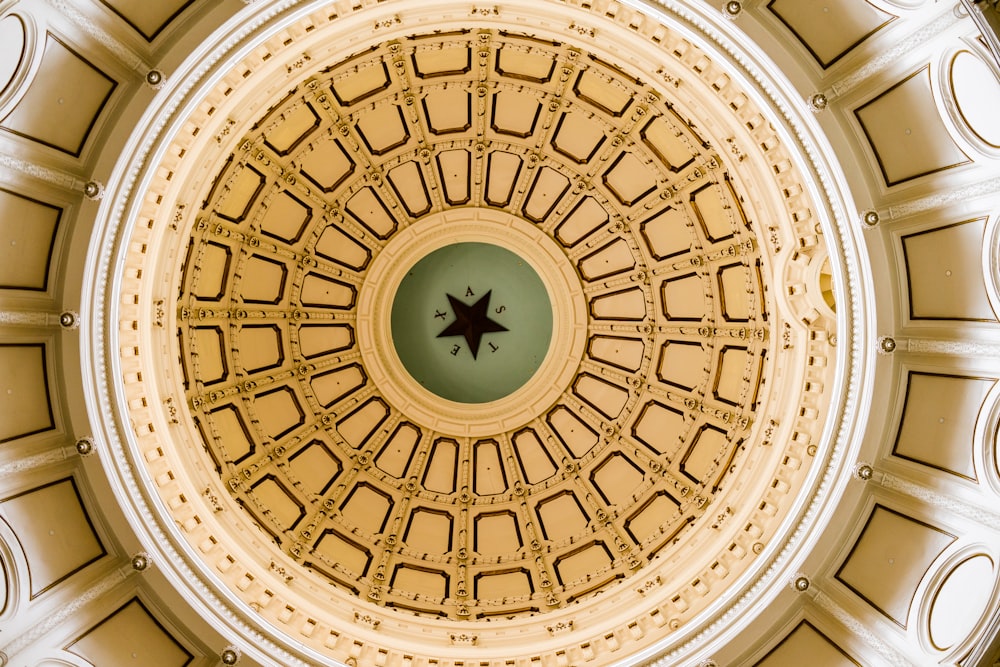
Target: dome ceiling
column 545, row 333
column 551, row 504
column 652, row 450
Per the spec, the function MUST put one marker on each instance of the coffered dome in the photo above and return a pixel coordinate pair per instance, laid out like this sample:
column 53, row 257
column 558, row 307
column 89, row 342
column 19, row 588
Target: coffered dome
column 530, row 334
column 347, row 458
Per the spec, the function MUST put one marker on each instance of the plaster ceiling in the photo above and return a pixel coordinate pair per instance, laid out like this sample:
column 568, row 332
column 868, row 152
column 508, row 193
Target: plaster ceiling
column 673, row 421
column 755, row 291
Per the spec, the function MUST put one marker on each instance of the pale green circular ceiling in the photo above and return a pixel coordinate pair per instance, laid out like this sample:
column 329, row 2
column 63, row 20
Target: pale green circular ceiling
column 471, row 322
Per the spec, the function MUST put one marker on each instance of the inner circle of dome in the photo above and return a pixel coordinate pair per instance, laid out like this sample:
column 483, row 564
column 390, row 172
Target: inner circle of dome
column 670, row 401
column 471, row 322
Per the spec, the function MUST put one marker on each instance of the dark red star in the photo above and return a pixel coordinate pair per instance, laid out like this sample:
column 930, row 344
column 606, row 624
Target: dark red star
column 471, row 322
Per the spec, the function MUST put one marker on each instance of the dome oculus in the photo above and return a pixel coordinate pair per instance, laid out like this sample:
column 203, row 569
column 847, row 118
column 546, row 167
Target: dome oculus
column 471, row 322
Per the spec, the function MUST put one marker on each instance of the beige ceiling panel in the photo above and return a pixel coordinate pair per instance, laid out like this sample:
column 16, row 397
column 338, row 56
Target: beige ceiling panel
column 383, row 129
column 407, row 181
column 496, row 533
column 944, row 273
column 442, row 467
column 278, row 411
column 366, row 208
column 423, row 581
column 263, row 280
column 532, row 456
column 578, row 136
column 736, row 291
column 361, row 84
column 131, row 636
column 906, row 132
column 617, row 479
column 335, row 385
column 502, row 170
column 615, row 257
column 660, row 427
column 534, row 66
column 830, row 29
column 648, row 521
column 629, row 304
column 617, row 351
column 584, row 219
column 448, row 110
column 286, row 218
column 629, row 179
column 607, row 398
column 684, row 298
column 260, row 347
column 707, row 449
column 583, row 563
column 608, row 95
column 28, row 228
column 343, row 552
column 561, row 516
column 231, row 433
column 322, row 292
column 890, row 558
column 684, row 364
column 712, row 212
column 805, row 645
column 240, row 194
column 939, row 421
column 515, row 113
column 455, row 169
column 361, row 423
column 209, row 270
column 446, row 61
column 429, row 531
column 208, row 344
column 54, row 530
column 667, row 233
column 147, row 18
column 398, row 450
column 291, row 129
column 503, row 585
column 282, row 506
column 367, row 508
column 575, row 434
column 314, row 467
column 667, row 143
column 320, row 339
column 64, row 100
column 547, row 189
column 489, row 477
column 327, row 165
column 736, row 367
column 25, row 404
